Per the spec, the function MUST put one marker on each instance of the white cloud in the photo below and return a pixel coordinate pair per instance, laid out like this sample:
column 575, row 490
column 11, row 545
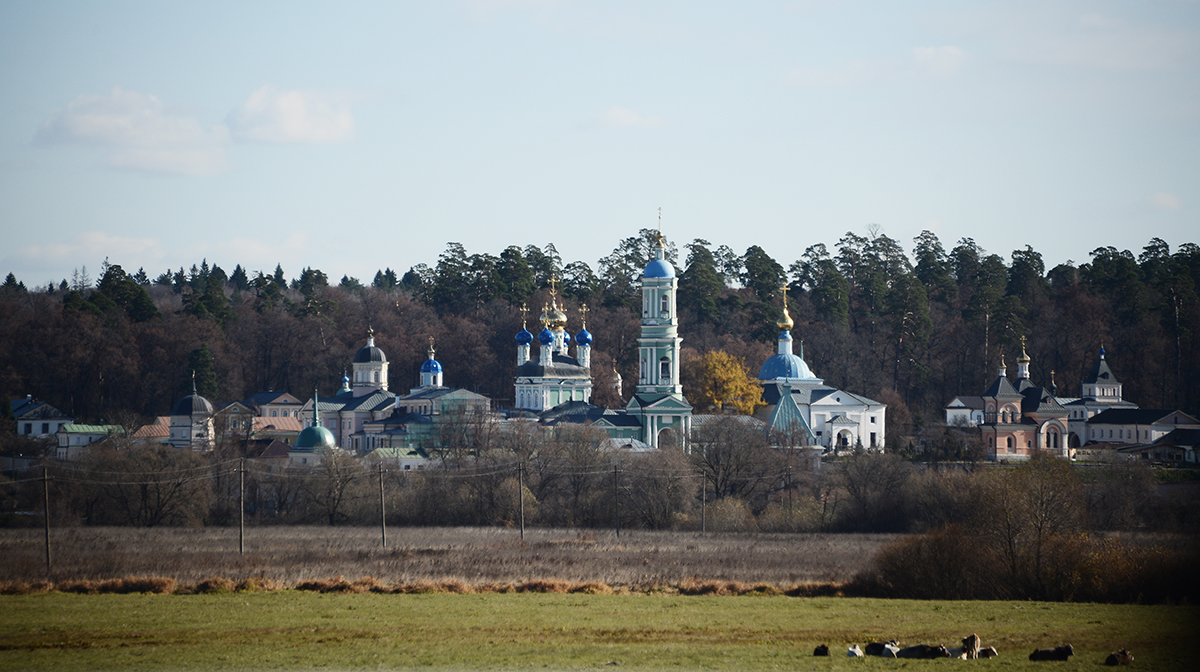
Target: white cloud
column 270, row 115
column 96, row 245
column 939, row 61
column 1165, row 201
column 145, row 133
column 623, row 117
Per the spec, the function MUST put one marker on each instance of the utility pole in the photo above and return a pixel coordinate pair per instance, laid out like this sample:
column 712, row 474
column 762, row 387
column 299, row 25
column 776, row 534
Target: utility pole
column 242, row 507
column 616, row 504
column 46, row 503
column 521, row 495
column 703, row 504
column 382, row 513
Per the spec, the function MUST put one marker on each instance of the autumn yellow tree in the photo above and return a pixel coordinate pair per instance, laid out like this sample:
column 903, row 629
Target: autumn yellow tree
column 721, row 381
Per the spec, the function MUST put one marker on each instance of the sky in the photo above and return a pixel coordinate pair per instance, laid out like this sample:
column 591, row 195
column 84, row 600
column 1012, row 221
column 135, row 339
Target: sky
column 356, row 136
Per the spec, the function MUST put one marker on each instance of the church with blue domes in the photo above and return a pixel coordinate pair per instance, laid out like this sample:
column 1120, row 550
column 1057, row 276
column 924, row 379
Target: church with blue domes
column 800, row 403
column 555, row 377
column 365, row 415
column 559, row 387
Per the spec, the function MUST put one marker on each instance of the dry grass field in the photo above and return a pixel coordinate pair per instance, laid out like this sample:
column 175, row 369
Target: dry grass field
column 474, row 555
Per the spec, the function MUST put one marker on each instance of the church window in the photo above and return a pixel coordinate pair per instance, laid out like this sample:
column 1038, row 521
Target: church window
column 274, row 413
column 1010, row 442
column 664, row 369
column 665, row 305
column 872, row 420
column 375, row 377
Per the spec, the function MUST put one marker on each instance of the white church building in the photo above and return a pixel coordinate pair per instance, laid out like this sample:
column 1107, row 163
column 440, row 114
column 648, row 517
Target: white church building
column 832, row 418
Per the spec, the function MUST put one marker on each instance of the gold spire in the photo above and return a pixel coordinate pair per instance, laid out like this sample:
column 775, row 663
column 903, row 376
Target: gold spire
column 431, row 350
column 786, row 323
column 661, row 245
column 552, row 316
column 1024, row 358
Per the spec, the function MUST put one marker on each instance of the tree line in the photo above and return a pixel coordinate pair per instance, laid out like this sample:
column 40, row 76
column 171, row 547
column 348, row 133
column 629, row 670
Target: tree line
column 732, row 480
column 912, row 330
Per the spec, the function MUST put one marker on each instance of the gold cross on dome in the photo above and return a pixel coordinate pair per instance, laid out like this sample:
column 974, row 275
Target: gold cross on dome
column 583, row 311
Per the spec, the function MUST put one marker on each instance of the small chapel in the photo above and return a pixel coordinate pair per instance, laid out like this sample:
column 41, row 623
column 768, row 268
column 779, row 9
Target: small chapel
column 801, row 405
column 1022, row 418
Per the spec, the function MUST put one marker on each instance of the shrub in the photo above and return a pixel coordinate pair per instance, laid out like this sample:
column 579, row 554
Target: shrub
column 215, row 584
column 804, row 515
column 544, row 586
column 454, row 586
column 83, row 587
column 944, row 564
column 162, row 585
column 14, row 588
column 816, row 590
column 696, row 586
column 337, row 584
column 258, row 584
column 368, row 584
column 592, row 588
column 730, row 515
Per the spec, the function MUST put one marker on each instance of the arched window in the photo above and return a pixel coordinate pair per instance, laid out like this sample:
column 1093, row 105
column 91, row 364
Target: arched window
column 664, row 305
column 1010, row 443
column 664, row 369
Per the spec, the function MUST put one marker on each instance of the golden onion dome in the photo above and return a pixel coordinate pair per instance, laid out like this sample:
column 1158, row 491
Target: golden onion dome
column 1024, row 358
column 786, row 323
column 552, row 316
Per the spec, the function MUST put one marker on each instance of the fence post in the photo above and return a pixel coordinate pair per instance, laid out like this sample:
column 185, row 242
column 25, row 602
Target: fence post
column 521, row 495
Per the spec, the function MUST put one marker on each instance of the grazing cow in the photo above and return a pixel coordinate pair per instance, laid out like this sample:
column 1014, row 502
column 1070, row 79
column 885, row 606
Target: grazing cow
column 971, row 646
column 887, row 649
column 989, row 652
column 923, row 651
column 854, row 652
column 1122, row 657
column 821, row 650
column 1057, row 653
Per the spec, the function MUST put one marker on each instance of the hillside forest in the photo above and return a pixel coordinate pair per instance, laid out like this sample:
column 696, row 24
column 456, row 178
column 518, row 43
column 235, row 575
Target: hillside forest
column 910, row 329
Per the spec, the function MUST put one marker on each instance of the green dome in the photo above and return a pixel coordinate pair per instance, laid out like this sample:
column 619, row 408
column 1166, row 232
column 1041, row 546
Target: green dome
column 315, row 438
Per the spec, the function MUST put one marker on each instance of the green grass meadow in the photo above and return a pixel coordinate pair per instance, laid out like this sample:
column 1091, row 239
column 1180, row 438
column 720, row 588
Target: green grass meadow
column 296, row 630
